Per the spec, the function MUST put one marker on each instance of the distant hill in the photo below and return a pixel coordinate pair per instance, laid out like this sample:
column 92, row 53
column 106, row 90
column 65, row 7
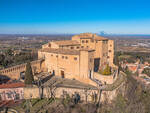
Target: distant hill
column 111, row 36
column 128, row 36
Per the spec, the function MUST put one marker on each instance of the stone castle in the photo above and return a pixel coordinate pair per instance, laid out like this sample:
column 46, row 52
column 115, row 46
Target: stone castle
column 78, row 58
column 74, row 65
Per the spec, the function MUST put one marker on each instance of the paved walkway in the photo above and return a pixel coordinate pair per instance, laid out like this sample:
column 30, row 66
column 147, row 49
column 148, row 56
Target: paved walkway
column 63, row 82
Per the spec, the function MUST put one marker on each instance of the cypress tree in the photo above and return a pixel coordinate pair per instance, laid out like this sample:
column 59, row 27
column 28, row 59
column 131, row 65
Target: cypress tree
column 28, row 74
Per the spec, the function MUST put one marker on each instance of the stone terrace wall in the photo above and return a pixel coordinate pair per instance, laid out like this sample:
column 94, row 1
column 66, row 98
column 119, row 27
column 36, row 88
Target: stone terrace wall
column 14, row 71
column 33, row 92
column 109, row 92
column 109, row 79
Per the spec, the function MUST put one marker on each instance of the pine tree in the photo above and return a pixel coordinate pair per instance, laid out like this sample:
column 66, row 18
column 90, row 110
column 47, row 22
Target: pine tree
column 28, row 74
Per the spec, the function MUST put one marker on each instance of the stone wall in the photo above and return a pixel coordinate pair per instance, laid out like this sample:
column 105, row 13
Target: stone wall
column 108, row 79
column 104, row 49
column 111, row 52
column 76, row 66
column 12, row 93
column 14, row 71
column 109, row 96
column 33, row 92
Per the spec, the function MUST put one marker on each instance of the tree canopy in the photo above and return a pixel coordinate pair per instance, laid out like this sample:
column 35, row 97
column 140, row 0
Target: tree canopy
column 146, row 71
column 28, row 74
column 8, row 59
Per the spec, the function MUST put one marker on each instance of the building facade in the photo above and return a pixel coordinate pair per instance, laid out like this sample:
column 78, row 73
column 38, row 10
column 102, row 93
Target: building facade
column 77, row 58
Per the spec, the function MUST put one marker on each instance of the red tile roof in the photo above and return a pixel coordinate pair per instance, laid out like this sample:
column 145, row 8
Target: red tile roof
column 132, row 68
column 12, row 85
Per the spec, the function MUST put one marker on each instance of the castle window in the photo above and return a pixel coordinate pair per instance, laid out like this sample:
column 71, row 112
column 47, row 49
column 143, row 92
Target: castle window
column 66, row 57
column 110, row 45
column 72, row 47
column 109, row 50
column 51, row 54
column 82, row 46
column 75, row 58
column 57, row 56
column 108, row 57
column 62, row 57
column 82, row 41
column 105, row 42
column 78, row 47
column 86, row 41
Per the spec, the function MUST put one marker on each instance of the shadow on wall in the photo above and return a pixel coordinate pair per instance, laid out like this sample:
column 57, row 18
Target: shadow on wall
column 96, row 64
column 4, row 79
column 46, row 78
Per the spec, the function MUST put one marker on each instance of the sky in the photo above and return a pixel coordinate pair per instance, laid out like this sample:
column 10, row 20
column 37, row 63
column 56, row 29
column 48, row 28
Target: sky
column 74, row 16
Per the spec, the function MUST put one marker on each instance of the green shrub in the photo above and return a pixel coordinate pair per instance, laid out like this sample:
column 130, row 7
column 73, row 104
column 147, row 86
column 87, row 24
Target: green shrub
column 146, row 71
column 107, row 70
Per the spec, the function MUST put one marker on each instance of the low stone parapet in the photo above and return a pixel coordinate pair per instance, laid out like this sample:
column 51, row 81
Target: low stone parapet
column 59, row 92
column 105, row 79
